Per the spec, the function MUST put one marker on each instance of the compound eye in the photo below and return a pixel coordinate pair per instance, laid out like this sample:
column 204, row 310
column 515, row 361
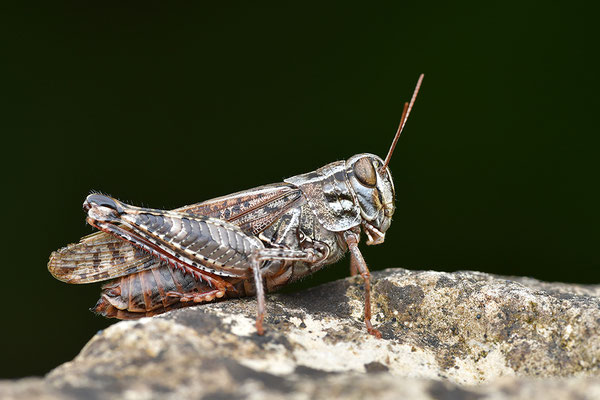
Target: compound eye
column 365, row 172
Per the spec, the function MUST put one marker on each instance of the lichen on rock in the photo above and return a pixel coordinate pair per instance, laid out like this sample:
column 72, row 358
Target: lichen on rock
column 463, row 335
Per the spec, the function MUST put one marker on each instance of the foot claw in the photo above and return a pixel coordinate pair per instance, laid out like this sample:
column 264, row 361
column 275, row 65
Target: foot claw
column 375, row 333
column 259, row 326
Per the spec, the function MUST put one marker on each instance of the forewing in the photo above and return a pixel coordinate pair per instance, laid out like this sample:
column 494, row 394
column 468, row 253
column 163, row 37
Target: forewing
column 98, row 257
column 251, row 210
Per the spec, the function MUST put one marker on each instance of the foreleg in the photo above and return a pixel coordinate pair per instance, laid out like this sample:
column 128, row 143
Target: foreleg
column 357, row 263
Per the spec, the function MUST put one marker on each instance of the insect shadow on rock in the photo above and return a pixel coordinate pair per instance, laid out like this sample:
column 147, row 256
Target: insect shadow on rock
column 241, row 244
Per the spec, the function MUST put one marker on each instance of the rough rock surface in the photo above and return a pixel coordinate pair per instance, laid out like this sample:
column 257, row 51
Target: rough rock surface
column 463, row 335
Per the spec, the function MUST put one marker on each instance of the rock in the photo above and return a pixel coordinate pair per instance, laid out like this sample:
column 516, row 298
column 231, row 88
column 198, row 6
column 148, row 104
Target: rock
column 463, row 335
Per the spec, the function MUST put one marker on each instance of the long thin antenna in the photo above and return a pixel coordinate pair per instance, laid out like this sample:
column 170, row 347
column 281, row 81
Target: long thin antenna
column 405, row 114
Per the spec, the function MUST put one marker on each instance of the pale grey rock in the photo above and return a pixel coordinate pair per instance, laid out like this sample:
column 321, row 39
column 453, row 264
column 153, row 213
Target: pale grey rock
column 463, row 335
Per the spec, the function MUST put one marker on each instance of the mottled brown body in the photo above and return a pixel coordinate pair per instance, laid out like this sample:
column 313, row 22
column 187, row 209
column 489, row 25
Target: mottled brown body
column 240, row 244
column 130, row 293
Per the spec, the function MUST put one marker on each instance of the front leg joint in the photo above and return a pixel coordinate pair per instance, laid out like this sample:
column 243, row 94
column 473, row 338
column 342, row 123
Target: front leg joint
column 358, row 263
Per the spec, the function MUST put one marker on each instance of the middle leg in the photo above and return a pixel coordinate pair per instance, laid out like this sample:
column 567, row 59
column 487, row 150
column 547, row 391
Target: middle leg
column 258, row 258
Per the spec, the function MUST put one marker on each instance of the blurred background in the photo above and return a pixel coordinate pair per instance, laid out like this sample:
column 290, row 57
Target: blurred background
column 167, row 105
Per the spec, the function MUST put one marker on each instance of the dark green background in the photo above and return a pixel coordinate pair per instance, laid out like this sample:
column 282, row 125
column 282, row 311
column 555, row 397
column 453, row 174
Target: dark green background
column 164, row 106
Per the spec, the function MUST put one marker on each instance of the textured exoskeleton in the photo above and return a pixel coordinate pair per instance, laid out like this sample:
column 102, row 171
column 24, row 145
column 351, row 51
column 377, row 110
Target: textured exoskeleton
column 245, row 243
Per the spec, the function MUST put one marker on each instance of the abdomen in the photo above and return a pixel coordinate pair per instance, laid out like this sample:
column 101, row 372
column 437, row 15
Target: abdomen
column 146, row 293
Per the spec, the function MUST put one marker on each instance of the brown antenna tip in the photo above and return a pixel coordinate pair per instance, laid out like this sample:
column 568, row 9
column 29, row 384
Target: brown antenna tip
column 405, row 114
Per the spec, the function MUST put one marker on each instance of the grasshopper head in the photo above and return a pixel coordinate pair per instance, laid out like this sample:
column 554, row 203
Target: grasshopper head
column 374, row 188
column 372, row 182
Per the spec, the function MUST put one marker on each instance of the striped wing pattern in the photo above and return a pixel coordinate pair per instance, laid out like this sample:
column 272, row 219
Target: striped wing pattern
column 97, row 257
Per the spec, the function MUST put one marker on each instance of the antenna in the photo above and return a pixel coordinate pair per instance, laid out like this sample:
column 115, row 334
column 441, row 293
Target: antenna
column 405, row 114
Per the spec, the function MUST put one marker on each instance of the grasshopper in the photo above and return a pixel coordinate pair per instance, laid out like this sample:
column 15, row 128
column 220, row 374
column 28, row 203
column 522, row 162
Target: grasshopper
column 246, row 243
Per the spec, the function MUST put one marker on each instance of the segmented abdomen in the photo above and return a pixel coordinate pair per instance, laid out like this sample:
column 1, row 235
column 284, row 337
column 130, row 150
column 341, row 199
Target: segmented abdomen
column 146, row 293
